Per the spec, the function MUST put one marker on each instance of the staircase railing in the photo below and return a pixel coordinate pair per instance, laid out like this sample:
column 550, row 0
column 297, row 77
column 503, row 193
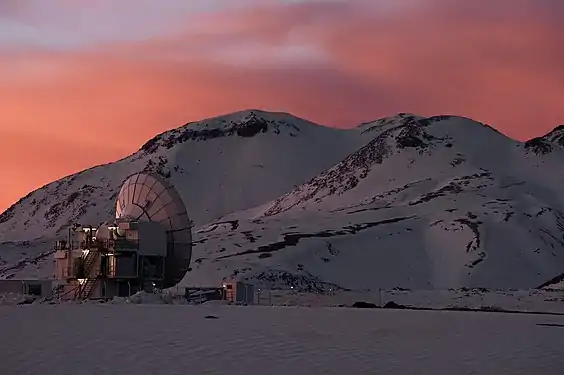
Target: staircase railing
column 87, row 287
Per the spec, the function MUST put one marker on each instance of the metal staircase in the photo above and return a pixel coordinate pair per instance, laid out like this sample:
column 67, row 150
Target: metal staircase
column 86, row 288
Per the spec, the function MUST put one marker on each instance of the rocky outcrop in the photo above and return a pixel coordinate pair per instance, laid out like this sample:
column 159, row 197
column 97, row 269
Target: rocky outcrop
column 251, row 125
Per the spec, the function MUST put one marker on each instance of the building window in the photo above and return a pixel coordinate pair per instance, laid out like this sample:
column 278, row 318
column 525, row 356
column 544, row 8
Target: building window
column 34, row 289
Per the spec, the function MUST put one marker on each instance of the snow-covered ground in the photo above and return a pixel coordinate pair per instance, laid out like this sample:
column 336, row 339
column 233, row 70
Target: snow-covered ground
column 542, row 301
column 208, row 339
column 548, row 301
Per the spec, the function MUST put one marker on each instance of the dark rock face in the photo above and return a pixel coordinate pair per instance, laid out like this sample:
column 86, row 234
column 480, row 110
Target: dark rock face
column 410, row 141
column 159, row 167
column 546, row 144
column 393, row 305
column 302, row 282
column 250, row 126
column 412, row 134
column 364, row 305
column 10, row 212
column 557, row 135
column 539, row 146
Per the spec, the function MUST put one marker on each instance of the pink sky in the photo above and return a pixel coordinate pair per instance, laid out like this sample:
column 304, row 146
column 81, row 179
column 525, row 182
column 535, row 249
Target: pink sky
column 84, row 83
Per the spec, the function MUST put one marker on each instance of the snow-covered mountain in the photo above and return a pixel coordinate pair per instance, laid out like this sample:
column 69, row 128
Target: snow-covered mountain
column 406, row 201
column 219, row 165
column 434, row 202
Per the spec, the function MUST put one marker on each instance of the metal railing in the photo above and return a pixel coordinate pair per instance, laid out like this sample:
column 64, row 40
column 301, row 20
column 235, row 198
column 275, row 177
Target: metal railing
column 100, row 245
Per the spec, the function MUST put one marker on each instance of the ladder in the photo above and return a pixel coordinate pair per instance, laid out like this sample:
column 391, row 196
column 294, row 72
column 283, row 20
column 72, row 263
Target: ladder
column 85, row 289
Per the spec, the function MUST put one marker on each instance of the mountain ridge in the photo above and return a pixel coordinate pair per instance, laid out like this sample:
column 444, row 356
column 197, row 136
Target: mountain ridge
column 373, row 124
column 310, row 201
column 162, row 155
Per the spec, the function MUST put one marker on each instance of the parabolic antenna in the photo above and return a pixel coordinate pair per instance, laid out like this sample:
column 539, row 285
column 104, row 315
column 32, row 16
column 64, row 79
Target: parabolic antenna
column 149, row 197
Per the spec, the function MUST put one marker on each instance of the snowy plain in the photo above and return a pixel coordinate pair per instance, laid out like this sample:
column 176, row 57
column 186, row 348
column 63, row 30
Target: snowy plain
column 535, row 300
column 210, row 339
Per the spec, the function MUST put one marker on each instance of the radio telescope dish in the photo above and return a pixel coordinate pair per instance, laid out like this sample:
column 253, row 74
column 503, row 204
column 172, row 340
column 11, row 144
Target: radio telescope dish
column 149, row 197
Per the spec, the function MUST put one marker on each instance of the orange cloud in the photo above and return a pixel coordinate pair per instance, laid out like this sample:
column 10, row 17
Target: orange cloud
column 338, row 64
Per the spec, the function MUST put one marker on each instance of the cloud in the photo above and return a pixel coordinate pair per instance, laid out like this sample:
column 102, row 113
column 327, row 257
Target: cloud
column 335, row 62
column 12, row 8
column 65, row 24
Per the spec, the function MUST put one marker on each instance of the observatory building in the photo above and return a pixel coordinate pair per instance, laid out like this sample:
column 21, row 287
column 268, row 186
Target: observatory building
column 148, row 246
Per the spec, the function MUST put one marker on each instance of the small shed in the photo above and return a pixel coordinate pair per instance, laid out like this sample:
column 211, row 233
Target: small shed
column 239, row 292
column 38, row 288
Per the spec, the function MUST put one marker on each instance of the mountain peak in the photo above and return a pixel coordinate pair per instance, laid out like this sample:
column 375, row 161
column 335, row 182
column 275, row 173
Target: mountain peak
column 246, row 124
column 546, row 143
column 402, row 119
column 381, row 123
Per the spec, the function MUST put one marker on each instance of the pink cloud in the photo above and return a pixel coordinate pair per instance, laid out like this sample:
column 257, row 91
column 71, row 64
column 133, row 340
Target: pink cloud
column 335, row 63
